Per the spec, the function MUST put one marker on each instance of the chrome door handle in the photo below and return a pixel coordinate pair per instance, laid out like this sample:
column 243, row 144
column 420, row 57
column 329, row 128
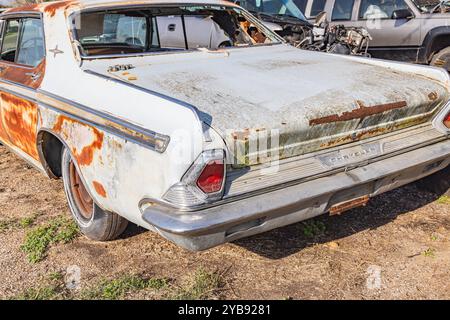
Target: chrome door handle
column 33, row 75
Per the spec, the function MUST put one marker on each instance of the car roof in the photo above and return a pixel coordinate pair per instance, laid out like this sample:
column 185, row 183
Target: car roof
column 52, row 7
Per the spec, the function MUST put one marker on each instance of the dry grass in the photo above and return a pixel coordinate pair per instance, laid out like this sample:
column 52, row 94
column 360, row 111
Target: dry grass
column 404, row 234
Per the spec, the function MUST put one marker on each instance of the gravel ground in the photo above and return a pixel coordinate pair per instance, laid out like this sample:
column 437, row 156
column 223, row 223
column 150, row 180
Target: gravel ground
column 397, row 247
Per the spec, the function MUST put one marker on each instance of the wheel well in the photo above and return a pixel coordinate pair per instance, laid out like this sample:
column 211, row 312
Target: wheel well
column 50, row 148
column 439, row 42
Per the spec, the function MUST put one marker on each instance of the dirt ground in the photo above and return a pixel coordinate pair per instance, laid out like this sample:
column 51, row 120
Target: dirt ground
column 397, row 247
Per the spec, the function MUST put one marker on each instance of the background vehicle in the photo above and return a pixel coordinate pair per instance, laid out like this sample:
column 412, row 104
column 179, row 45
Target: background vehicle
column 336, row 38
column 404, row 30
column 286, row 19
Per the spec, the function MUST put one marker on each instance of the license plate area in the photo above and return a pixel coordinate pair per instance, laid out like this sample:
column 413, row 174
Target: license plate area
column 350, row 204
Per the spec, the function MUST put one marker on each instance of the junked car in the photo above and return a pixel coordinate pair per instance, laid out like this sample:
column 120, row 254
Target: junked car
column 285, row 18
column 415, row 31
column 204, row 143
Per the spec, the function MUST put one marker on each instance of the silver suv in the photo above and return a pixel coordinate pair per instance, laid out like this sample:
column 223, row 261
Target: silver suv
column 404, row 30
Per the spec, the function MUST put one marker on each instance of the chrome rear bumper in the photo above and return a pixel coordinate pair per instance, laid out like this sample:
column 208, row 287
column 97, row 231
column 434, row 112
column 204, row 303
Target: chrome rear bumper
column 203, row 229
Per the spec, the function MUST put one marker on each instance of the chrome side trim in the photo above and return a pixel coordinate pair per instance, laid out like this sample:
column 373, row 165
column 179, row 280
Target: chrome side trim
column 147, row 138
column 154, row 140
column 154, row 93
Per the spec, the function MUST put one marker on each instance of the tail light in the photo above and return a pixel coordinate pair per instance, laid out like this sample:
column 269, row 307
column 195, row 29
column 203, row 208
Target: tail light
column 447, row 120
column 202, row 183
column 211, row 177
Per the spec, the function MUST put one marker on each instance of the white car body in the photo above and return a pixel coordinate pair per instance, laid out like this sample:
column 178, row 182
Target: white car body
column 136, row 134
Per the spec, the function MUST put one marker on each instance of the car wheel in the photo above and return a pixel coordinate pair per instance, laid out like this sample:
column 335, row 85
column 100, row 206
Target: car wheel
column 438, row 183
column 94, row 223
column 442, row 59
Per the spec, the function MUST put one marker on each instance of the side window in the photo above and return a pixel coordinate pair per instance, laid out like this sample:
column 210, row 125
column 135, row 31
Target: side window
column 342, row 10
column 154, row 32
column 9, row 40
column 31, row 46
column 380, row 9
column 317, row 7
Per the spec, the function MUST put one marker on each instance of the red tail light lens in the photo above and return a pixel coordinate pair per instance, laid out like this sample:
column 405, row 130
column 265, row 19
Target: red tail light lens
column 211, row 178
column 447, row 121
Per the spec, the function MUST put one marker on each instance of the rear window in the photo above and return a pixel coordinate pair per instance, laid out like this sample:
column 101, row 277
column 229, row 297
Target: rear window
column 342, row 10
column 317, row 7
column 131, row 31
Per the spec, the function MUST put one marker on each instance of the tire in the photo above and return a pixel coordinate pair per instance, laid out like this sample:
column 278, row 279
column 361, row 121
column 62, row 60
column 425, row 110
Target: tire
column 437, row 183
column 442, row 59
column 94, row 223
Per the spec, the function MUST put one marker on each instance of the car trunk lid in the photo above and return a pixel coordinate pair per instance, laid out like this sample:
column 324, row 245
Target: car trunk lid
column 275, row 102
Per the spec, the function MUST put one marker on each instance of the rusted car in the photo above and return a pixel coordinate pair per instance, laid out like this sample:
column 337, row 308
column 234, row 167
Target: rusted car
column 207, row 143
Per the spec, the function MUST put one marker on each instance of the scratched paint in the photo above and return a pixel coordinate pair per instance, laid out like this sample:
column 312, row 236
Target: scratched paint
column 19, row 122
column 83, row 140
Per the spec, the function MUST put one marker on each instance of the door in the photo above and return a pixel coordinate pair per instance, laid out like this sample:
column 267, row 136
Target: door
column 22, row 65
column 396, row 39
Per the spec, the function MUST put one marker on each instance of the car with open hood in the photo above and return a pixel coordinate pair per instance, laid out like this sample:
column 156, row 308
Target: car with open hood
column 223, row 132
column 415, row 31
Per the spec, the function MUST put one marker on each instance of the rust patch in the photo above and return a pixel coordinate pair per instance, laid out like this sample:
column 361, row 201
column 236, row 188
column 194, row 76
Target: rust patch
column 99, row 188
column 347, row 205
column 86, row 155
column 433, row 96
column 351, row 138
column 28, row 7
column 19, row 117
column 22, row 75
column 361, row 112
column 51, row 9
column 241, row 135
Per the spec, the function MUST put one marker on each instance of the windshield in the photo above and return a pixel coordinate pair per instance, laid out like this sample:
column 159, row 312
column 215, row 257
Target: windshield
column 280, row 8
column 153, row 29
column 433, row 6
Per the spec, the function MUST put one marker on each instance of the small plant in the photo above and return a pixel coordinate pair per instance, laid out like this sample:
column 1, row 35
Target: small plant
column 28, row 221
column 117, row 288
column 158, row 283
column 52, row 289
column 313, row 228
column 7, row 224
column 37, row 241
column 443, row 199
column 434, row 237
column 430, row 252
column 203, row 285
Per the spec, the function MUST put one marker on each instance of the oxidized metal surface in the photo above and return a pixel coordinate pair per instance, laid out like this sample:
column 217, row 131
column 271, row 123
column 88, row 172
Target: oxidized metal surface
column 80, row 194
column 83, row 140
column 19, row 123
column 359, row 113
column 347, row 205
column 20, row 74
column 321, row 101
column 51, row 8
column 99, row 188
